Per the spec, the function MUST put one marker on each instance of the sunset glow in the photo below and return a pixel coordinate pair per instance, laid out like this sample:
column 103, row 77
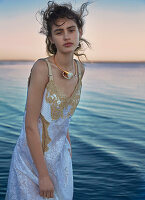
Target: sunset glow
column 116, row 30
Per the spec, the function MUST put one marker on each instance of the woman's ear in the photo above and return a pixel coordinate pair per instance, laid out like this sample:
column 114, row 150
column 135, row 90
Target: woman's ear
column 50, row 38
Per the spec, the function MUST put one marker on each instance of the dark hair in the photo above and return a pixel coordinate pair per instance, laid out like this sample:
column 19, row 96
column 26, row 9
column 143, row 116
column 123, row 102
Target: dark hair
column 55, row 11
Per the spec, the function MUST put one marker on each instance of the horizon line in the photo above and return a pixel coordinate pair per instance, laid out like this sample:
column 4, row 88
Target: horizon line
column 88, row 61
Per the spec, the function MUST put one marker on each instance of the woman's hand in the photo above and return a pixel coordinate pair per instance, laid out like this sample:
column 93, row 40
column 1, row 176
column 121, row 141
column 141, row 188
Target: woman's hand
column 46, row 187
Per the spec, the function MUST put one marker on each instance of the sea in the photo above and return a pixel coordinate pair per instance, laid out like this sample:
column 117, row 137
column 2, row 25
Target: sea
column 107, row 130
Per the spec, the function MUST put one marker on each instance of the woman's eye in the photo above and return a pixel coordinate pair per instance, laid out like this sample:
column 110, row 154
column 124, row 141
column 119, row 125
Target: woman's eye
column 58, row 33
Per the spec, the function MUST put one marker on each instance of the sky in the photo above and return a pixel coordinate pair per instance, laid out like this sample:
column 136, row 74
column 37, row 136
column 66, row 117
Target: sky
column 115, row 29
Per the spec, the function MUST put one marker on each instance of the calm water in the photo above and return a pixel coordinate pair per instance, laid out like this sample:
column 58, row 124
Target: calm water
column 107, row 130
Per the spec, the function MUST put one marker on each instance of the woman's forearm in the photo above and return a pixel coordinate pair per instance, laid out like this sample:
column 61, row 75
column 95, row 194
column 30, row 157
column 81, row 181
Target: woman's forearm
column 35, row 146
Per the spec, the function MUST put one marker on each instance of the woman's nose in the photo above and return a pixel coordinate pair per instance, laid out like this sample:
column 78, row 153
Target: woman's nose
column 66, row 35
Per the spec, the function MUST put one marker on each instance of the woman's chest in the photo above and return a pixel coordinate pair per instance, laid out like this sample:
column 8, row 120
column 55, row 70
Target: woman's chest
column 59, row 104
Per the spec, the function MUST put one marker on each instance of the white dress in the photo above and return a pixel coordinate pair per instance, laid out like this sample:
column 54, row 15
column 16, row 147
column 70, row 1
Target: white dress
column 56, row 112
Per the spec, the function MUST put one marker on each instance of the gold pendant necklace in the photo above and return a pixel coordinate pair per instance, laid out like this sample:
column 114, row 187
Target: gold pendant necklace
column 66, row 74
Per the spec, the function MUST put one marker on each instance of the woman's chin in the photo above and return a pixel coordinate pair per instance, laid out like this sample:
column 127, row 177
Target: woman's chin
column 68, row 51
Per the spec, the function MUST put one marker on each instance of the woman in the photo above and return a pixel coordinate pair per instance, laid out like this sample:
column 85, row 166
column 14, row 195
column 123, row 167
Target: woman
column 41, row 165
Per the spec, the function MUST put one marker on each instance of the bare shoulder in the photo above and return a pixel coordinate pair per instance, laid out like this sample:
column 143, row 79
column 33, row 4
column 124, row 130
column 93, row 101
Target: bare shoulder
column 39, row 71
column 39, row 65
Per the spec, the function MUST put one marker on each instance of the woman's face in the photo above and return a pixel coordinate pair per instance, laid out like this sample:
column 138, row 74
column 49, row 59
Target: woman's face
column 67, row 32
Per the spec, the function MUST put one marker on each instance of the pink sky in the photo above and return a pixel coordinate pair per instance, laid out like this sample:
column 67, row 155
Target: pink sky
column 115, row 35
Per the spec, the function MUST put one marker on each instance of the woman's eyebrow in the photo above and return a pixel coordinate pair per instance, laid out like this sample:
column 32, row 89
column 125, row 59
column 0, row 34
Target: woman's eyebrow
column 60, row 29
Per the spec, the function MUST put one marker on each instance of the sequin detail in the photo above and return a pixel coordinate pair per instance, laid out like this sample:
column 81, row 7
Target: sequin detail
column 59, row 102
column 45, row 136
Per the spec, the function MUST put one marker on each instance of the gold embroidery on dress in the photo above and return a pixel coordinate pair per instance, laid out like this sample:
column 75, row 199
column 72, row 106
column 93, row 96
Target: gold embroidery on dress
column 45, row 136
column 59, row 102
column 59, row 105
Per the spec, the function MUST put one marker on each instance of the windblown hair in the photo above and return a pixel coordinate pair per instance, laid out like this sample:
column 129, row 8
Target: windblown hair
column 55, row 11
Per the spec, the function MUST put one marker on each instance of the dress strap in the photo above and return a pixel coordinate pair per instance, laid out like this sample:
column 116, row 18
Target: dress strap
column 79, row 68
column 50, row 69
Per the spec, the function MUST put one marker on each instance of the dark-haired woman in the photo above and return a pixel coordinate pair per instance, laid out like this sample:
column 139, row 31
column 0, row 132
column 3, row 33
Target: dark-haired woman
column 41, row 165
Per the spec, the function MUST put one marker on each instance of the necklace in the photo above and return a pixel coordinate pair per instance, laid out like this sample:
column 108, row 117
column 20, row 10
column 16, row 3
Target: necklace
column 66, row 74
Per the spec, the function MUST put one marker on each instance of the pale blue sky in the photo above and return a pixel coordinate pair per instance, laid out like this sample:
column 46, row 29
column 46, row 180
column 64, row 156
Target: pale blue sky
column 14, row 7
column 117, row 25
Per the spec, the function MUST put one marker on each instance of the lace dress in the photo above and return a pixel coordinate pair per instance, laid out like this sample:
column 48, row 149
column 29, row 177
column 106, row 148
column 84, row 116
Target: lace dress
column 56, row 112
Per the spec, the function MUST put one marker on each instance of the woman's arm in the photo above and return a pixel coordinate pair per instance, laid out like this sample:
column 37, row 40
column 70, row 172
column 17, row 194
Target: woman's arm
column 39, row 78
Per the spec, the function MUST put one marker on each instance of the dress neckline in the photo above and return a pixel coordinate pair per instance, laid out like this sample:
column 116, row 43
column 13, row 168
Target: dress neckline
column 59, row 92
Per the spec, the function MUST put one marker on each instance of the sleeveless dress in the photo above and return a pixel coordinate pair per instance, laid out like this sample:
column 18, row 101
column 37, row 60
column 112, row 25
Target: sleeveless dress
column 53, row 124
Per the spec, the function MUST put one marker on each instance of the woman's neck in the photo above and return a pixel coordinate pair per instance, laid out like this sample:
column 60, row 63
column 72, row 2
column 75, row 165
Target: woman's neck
column 64, row 61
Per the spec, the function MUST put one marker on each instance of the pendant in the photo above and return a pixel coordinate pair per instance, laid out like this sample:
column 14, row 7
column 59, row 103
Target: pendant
column 67, row 75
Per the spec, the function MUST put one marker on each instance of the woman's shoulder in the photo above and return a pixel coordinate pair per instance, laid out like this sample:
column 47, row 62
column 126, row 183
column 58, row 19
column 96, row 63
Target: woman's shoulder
column 41, row 61
column 39, row 68
column 39, row 65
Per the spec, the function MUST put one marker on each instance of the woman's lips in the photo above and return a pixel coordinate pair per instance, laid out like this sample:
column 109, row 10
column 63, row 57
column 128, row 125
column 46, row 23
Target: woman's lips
column 68, row 44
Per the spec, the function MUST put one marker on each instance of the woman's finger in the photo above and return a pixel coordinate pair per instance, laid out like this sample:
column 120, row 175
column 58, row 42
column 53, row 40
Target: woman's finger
column 51, row 194
column 44, row 194
column 41, row 193
column 48, row 195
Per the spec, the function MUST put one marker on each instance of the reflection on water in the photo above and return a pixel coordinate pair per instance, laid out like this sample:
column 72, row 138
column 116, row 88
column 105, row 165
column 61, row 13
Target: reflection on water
column 107, row 130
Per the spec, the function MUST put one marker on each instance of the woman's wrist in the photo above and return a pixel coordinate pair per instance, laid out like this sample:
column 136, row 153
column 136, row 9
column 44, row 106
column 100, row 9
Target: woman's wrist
column 43, row 174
